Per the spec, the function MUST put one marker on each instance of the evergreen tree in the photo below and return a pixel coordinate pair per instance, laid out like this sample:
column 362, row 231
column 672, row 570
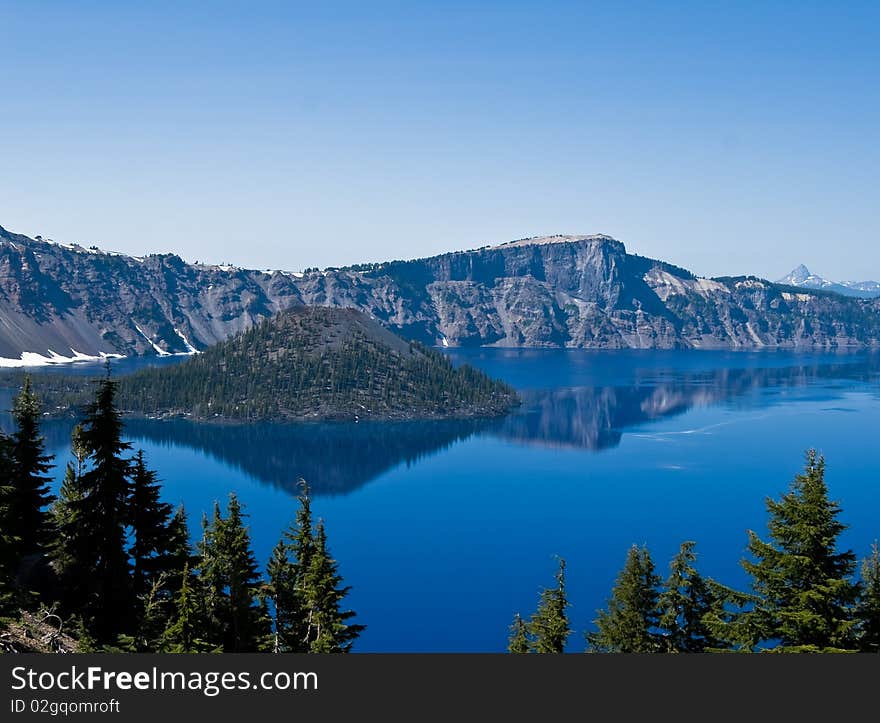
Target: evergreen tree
column 178, row 549
column 149, row 519
column 70, row 542
column 9, row 547
column 29, row 515
column 869, row 604
column 685, row 603
column 518, row 642
column 238, row 617
column 328, row 628
column 91, row 548
column 79, row 449
column 185, row 632
column 803, row 594
column 629, row 623
column 548, row 628
column 287, row 571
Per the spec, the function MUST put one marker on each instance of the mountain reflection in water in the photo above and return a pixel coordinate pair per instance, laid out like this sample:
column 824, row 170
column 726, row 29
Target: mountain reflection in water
column 337, row 458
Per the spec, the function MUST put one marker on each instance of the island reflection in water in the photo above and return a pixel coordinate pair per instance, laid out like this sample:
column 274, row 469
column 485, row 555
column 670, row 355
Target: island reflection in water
column 341, row 457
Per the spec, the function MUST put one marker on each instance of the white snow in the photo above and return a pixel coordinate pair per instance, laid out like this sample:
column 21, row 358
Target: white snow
column 800, row 297
column 69, row 247
column 710, row 285
column 33, row 359
column 665, row 284
column 190, row 349
column 750, row 284
column 660, row 278
column 159, row 350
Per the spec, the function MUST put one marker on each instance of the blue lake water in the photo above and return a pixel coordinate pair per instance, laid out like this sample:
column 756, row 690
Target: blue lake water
column 446, row 529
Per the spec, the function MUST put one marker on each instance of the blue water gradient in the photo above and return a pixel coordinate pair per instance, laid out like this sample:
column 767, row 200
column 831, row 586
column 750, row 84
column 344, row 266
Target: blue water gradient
column 446, row 529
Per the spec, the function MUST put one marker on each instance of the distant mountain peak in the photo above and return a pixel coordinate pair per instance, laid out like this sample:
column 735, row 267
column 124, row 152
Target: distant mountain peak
column 803, row 277
column 798, row 276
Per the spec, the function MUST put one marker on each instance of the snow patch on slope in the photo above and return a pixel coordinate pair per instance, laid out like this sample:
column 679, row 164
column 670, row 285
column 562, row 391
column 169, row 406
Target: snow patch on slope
column 190, row 349
column 159, row 350
column 33, row 359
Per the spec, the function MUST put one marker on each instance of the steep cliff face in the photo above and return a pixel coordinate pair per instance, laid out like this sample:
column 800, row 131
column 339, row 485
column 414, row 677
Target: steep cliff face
column 558, row 291
column 587, row 292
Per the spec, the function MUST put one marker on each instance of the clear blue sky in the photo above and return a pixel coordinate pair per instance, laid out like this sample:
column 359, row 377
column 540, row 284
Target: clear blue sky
column 725, row 137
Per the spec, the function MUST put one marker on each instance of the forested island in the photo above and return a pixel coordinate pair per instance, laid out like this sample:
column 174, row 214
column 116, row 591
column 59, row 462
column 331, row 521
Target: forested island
column 305, row 364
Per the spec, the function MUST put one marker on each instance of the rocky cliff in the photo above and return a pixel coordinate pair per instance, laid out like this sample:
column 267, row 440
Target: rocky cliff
column 557, row 291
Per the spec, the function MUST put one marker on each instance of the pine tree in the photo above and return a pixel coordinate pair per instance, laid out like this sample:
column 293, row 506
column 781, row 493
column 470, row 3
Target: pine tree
column 684, row 604
column 91, row 547
column 78, row 448
column 149, row 519
column 185, row 632
column 629, row 623
column 70, row 542
column 518, row 641
column 9, row 545
column 548, row 628
column 178, row 549
column 869, row 605
column 328, row 628
column 238, row 616
column 803, row 594
column 30, row 520
column 287, row 570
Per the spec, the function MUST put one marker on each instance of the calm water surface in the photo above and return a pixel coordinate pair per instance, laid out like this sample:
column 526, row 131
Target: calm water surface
column 446, row 529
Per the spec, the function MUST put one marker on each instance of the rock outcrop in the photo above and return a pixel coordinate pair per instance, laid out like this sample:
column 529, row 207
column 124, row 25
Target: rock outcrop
column 556, row 291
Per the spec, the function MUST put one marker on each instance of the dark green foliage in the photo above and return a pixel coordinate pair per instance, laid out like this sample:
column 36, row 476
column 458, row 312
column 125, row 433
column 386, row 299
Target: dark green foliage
column 71, row 544
column 186, row 630
column 9, row 547
column 629, row 623
column 685, row 603
column 328, row 628
column 149, row 519
column 306, row 364
column 238, row 619
column 287, row 571
column 287, row 603
column 178, row 550
column 868, row 611
column 159, row 551
column 93, row 514
column 30, row 521
column 315, row 363
column 162, row 597
column 803, row 592
column 518, row 641
column 548, row 628
column 306, row 590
